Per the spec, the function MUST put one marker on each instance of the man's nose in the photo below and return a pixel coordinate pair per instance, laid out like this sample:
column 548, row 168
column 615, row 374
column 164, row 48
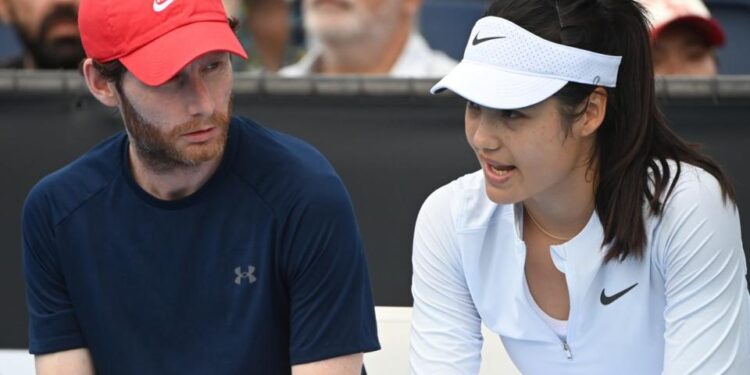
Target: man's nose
column 201, row 103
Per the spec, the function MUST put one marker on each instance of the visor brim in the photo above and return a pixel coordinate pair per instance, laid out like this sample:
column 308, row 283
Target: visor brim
column 491, row 87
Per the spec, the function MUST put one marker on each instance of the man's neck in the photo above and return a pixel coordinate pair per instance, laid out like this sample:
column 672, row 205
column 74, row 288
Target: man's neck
column 372, row 56
column 174, row 183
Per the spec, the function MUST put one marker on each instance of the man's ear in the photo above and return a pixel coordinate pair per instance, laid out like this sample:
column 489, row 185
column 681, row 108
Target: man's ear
column 103, row 89
column 593, row 115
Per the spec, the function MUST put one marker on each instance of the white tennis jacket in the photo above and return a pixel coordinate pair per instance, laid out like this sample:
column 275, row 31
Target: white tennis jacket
column 687, row 310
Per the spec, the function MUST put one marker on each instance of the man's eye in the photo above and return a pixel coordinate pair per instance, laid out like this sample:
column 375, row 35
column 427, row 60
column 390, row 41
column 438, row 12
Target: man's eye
column 175, row 80
column 473, row 106
column 213, row 66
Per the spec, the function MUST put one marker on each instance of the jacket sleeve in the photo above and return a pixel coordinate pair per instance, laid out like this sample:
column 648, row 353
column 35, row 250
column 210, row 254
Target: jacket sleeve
column 446, row 328
column 707, row 317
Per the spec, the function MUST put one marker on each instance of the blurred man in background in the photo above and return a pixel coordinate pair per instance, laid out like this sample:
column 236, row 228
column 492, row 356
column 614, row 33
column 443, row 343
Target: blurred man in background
column 48, row 31
column 367, row 37
column 684, row 37
column 268, row 23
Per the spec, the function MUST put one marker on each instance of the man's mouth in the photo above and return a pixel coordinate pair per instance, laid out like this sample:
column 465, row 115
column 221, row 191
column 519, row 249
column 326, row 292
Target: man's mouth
column 200, row 131
column 200, row 136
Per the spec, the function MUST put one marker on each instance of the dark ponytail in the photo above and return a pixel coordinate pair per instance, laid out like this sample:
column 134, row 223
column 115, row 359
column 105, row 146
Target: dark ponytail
column 634, row 142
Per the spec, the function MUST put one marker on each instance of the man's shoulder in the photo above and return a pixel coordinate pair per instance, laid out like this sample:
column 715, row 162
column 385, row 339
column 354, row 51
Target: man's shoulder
column 273, row 162
column 269, row 147
column 65, row 189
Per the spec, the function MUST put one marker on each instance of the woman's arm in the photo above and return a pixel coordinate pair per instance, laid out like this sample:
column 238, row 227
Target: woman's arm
column 446, row 329
column 707, row 317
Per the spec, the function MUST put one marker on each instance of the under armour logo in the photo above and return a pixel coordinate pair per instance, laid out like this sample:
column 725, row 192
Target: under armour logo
column 244, row 275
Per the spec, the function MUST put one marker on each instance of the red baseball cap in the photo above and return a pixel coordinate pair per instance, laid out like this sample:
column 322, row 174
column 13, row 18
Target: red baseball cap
column 664, row 13
column 155, row 39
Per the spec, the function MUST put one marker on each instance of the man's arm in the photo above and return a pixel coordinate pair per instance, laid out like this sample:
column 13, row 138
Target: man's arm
column 331, row 310
column 73, row 362
column 344, row 365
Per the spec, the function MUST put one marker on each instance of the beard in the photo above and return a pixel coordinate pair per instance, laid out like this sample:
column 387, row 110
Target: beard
column 54, row 53
column 158, row 149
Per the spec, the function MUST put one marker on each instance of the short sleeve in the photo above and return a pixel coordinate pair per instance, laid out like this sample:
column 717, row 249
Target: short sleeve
column 707, row 317
column 446, row 333
column 53, row 325
column 332, row 311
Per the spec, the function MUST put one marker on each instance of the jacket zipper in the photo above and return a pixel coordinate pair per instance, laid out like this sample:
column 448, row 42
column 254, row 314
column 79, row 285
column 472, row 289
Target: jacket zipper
column 567, row 351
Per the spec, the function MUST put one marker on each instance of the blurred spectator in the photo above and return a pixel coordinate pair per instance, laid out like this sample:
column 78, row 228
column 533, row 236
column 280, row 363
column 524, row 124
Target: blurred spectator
column 48, row 30
column 684, row 36
column 367, row 37
column 269, row 27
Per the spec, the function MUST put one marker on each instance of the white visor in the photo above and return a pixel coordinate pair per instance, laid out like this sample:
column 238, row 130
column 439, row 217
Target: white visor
column 507, row 67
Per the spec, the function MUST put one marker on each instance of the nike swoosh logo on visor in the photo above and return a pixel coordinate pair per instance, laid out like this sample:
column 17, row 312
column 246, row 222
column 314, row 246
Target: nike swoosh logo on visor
column 606, row 300
column 160, row 6
column 478, row 40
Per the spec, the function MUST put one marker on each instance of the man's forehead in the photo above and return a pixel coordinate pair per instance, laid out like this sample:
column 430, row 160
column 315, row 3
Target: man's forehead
column 12, row 5
column 683, row 33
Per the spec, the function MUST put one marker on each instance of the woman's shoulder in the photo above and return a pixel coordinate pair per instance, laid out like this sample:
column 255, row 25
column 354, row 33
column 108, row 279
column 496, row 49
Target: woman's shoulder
column 696, row 213
column 464, row 202
column 693, row 185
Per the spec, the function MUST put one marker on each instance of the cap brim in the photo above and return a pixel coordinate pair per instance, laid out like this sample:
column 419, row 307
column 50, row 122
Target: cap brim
column 709, row 28
column 159, row 60
column 494, row 88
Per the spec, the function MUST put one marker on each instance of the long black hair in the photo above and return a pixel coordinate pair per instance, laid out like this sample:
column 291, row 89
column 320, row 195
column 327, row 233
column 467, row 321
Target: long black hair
column 634, row 142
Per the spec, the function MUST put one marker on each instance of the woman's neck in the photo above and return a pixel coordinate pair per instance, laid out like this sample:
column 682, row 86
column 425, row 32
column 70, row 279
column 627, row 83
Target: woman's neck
column 565, row 209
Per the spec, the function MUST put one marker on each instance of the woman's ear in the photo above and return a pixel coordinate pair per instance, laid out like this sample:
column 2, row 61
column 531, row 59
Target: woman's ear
column 596, row 109
column 103, row 89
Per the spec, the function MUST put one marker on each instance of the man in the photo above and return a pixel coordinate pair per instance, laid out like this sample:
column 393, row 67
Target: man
column 367, row 37
column 193, row 243
column 48, row 32
column 269, row 27
column 684, row 37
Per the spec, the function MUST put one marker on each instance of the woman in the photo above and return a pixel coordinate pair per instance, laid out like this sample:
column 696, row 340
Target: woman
column 593, row 240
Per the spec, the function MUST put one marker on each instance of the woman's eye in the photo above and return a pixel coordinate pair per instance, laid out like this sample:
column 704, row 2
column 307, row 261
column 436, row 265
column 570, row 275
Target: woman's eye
column 473, row 106
column 510, row 114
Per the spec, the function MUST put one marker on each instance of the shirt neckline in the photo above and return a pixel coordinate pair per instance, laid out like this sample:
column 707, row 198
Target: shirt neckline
column 210, row 185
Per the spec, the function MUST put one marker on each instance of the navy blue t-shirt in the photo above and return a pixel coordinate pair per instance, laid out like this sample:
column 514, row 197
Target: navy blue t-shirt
column 260, row 269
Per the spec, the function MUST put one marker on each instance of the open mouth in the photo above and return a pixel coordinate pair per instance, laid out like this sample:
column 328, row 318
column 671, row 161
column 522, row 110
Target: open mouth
column 497, row 173
column 501, row 170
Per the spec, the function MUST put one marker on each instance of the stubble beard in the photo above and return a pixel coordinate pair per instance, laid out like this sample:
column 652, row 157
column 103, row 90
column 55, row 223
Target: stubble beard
column 158, row 150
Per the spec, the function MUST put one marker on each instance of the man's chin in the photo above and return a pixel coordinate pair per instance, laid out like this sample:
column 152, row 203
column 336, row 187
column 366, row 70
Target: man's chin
column 197, row 154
